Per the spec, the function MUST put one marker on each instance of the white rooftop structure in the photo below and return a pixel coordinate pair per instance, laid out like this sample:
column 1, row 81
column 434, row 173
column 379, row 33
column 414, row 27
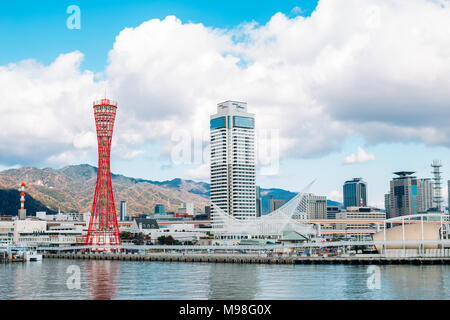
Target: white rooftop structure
column 268, row 226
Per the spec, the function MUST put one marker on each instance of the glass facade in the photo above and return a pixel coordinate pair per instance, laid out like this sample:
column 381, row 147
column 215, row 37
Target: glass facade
column 217, row 123
column 159, row 209
column 355, row 193
column 243, row 122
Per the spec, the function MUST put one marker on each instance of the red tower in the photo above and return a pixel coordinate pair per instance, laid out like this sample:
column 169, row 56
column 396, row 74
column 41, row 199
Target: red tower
column 103, row 227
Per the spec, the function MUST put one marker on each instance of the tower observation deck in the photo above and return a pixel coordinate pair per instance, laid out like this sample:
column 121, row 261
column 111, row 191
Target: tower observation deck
column 103, row 228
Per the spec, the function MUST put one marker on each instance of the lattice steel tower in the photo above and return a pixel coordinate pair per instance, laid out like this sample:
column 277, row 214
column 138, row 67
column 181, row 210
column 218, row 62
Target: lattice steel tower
column 103, row 227
column 437, row 188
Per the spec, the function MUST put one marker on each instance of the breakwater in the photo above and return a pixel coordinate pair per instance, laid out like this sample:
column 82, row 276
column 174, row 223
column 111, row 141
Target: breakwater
column 251, row 259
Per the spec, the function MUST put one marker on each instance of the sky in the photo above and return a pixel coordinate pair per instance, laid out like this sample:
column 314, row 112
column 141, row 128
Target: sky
column 339, row 89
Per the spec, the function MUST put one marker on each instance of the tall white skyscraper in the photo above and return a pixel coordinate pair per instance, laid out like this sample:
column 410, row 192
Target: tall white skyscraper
column 233, row 164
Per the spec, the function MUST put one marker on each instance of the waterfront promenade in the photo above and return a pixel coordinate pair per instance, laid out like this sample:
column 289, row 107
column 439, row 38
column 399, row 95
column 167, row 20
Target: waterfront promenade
column 304, row 253
column 255, row 258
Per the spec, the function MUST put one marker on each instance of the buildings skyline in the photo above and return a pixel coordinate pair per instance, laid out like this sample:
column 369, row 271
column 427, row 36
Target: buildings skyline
column 233, row 170
column 316, row 143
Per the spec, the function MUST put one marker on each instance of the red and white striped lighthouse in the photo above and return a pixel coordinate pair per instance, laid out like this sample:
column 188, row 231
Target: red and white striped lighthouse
column 22, row 196
column 22, row 211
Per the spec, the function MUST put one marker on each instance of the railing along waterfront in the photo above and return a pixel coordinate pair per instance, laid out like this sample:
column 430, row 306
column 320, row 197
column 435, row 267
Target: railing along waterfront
column 267, row 247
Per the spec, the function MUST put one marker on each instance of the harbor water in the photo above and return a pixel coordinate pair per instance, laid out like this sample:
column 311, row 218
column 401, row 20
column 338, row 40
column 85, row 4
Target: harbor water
column 105, row 279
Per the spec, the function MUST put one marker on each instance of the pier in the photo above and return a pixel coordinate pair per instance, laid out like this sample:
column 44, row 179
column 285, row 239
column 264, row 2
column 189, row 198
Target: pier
column 252, row 259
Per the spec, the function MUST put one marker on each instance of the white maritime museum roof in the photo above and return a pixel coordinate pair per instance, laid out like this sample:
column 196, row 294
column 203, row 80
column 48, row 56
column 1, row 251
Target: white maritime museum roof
column 274, row 223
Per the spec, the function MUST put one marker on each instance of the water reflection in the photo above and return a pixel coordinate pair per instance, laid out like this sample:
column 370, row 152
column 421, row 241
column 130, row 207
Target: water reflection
column 413, row 282
column 233, row 281
column 35, row 280
column 165, row 280
column 102, row 279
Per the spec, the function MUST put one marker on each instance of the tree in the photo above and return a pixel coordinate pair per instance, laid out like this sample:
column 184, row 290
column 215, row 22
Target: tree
column 162, row 240
column 139, row 239
column 126, row 235
column 169, row 240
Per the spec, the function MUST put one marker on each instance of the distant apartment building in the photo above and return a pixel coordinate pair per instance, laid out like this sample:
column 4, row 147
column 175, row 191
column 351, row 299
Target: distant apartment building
column 311, row 207
column 317, row 206
column 275, row 204
column 187, row 208
column 123, row 210
column 208, row 211
column 403, row 194
column 332, row 211
column 355, row 193
column 424, row 195
column 233, row 164
column 160, row 209
column 258, row 202
column 448, row 195
column 387, row 205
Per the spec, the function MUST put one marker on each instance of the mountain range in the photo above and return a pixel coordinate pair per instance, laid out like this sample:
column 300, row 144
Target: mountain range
column 70, row 189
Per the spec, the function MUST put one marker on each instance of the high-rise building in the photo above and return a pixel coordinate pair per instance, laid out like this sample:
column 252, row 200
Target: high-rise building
column 258, row 202
column 424, row 195
column 233, row 164
column 317, row 206
column 159, row 209
column 448, row 195
column 355, row 193
column 387, row 205
column 208, row 211
column 437, row 188
column 123, row 210
column 103, row 228
column 275, row 204
column 313, row 207
column 403, row 194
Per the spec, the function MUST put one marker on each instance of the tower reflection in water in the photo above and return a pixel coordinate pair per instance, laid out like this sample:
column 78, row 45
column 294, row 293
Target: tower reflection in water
column 102, row 279
column 233, row 281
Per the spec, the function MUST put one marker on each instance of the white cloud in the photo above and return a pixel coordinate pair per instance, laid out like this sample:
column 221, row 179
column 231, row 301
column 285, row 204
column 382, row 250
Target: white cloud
column 45, row 110
column 296, row 10
column 380, row 70
column 124, row 152
column 361, row 157
column 335, row 195
column 85, row 140
column 379, row 205
column 199, row 173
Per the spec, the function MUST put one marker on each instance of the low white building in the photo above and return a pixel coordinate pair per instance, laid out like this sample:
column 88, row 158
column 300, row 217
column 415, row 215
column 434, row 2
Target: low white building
column 6, row 232
column 361, row 214
column 37, row 232
column 70, row 216
column 28, row 226
column 180, row 232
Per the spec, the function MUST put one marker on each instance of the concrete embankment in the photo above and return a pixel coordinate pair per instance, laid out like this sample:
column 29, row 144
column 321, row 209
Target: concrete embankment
column 246, row 258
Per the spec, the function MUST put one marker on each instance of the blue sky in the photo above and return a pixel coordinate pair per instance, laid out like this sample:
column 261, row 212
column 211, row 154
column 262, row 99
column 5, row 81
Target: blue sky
column 37, row 29
column 345, row 59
